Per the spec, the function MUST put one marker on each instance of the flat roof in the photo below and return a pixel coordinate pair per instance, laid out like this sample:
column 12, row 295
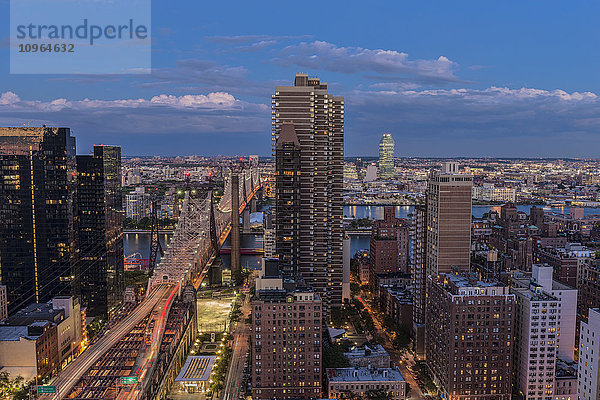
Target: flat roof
column 196, row 368
column 364, row 374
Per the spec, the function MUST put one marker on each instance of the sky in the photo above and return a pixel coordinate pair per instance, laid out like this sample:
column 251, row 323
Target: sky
column 446, row 79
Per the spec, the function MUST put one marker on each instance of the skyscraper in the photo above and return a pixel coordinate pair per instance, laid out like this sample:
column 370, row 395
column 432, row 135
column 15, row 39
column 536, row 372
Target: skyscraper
column 386, row 156
column 36, row 213
column 318, row 123
column 448, row 220
column 441, row 235
column 99, row 222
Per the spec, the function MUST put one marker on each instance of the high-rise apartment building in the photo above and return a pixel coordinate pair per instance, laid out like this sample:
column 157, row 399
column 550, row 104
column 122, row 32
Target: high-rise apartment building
column 419, row 246
column 544, row 330
column 588, row 375
column 99, row 222
column 448, row 220
column 386, row 157
column 469, row 342
column 588, row 287
column 441, row 235
column 286, row 338
column 313, row 120
column 137, row 204
column 36, row 213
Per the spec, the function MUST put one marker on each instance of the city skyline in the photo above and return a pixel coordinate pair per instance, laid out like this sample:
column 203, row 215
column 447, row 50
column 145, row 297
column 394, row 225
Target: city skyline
column 437, row 94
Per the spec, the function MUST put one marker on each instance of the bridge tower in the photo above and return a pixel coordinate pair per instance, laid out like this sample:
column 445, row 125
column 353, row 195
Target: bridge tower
column 155, row 246
column 236, row 265
column 215, row 275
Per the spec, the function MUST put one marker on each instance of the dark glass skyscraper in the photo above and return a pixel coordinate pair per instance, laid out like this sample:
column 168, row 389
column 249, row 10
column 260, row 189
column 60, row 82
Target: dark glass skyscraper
column 36, row 213
column 99, row 221
column 318, row 122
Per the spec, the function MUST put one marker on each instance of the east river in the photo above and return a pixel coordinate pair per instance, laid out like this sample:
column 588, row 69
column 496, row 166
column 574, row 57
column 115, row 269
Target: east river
column 140, row 242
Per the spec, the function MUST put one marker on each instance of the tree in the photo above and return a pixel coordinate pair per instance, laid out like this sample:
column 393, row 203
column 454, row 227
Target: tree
column 333, row 357
column 377, row 394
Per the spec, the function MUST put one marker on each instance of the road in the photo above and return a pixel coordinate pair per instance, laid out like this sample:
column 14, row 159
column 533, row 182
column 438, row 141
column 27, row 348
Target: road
column 235, row 373
column 396, row 357
column 68, row 377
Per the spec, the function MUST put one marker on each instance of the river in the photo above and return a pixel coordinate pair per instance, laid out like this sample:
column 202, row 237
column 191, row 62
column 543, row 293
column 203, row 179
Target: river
column 140, row 242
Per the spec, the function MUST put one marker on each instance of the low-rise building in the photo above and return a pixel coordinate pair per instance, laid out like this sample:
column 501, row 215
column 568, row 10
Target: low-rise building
column 565, row 380
column 344, row 382
column 29, row 350
column 368, row 356
column 396, row 301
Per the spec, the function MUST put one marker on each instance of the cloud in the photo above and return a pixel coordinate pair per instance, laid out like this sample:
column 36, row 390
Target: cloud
column 162, row 114
column 321, row 55
column 496, row 121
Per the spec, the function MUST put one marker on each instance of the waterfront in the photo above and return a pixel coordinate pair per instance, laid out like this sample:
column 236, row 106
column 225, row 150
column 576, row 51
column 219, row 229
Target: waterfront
column 140, row 242
column 376, row 212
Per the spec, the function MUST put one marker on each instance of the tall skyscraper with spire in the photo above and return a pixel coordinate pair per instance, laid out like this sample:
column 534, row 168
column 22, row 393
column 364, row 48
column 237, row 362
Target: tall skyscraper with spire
column 386, row 156
column 308, row 144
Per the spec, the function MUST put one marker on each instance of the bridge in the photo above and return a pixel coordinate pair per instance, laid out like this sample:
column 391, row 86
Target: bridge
column 137, row 345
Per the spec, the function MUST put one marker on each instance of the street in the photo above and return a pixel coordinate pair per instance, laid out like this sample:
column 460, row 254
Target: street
column 235, row 372
column 67, row 378
column 396, row 357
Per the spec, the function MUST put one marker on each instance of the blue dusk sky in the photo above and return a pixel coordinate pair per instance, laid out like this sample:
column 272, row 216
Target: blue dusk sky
column 445, row 78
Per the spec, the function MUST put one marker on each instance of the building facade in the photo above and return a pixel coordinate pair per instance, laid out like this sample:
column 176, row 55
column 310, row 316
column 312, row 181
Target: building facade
column 588, row 375
column 345, row 383
column 386, row 157
column 37, row 240
column 389, row 244
column 318, row 124
column 469, row 342
column 286, row 344
column 99, row 224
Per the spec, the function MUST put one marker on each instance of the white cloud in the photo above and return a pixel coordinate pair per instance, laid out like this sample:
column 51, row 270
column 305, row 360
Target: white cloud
column 322, row 55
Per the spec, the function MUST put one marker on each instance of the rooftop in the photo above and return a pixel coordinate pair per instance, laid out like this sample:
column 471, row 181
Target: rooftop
column 196, row 368
column 364, row 374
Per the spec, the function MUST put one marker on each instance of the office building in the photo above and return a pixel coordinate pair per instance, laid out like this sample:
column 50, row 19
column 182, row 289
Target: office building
column 99, row 224
column 359, row 381
column 386, row 157
column 36, row 213
column 469, row 342
column 588, row 375
column 286, row 338
column 309, row 211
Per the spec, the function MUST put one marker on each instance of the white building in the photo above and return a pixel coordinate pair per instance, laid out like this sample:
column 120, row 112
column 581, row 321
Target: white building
column 588, row 377
column 137, row 204
column 544, row 330
column 371, row 173
column 269, row 243
column 489, row 192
